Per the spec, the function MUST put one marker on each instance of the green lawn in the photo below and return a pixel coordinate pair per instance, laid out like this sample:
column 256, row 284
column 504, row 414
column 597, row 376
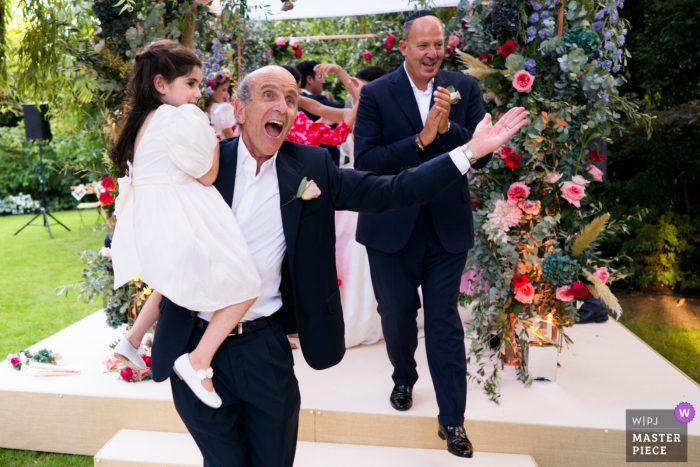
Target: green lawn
column 14, row 458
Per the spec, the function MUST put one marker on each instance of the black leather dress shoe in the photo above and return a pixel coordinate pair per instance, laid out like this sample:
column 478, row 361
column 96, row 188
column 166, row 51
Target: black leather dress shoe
column 402, row 397
column 457, row 441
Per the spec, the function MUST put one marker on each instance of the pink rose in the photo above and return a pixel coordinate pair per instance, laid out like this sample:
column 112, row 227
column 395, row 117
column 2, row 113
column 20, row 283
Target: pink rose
column 367, row 56
column 147, row 360
column 280, row 41
column 390, row 39
column 525, row 294
column 504, row 151
column 14, row 361
column 388, row 46
column 579, row 290
column 579, row 180
column 517, row 193
column 110, row 362
column 573, row 193
column 596, row 172
column 293, row 43
column 602, row 274
column 311, row 191
column 552, row 177
column 270, row 52
column 453, row 41
column 298, row 53
column 531, row 207
column 127, row 374
column 564, row 293
column 522, row 81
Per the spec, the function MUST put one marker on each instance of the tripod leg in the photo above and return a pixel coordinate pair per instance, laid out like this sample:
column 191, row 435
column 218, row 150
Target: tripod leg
column 57, row 221
column 46, row 223
column 25, row 225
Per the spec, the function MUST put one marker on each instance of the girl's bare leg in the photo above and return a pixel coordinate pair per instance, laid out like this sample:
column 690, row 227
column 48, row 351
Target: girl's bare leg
column 221, row 325
column 145, row 320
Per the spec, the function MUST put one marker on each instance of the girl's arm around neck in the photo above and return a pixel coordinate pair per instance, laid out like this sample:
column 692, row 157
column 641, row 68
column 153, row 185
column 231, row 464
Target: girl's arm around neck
column 208, row 178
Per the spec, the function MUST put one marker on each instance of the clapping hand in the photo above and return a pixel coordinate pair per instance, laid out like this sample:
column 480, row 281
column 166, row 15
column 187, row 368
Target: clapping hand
column 488, row 137
column 432, row 124
column 442, row 99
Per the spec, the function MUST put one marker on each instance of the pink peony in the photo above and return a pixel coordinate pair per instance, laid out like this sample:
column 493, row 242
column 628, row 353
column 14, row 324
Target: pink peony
column 531, row 207
column 280, row 41
column 579, row 180
column 453, row 41
column 367, row 56
column 552, row 177
column 293, row 43
column 596, row 172
column 110, row 362
column 565, row 294
column 522, row 81
column 504, row 151
column 602, row 274
column 525, row 294
column 517, row 193
column 505, row 215
column 573, row 193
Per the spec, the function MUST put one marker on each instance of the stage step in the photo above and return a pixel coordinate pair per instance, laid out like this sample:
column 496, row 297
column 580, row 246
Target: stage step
column 135, row 448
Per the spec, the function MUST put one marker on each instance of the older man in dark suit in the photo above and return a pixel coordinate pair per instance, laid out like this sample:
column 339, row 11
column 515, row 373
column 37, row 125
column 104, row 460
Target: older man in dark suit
column 399, row 126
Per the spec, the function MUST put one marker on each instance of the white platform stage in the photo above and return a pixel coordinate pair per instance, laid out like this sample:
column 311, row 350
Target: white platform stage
column 577, row 420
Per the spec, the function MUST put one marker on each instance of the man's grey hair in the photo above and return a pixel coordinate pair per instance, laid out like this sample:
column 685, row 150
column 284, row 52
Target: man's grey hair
column 245, row 88
column 409, row 24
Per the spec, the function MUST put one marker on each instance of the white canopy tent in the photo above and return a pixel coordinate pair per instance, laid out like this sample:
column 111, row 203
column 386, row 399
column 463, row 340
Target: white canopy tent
column 333, row 8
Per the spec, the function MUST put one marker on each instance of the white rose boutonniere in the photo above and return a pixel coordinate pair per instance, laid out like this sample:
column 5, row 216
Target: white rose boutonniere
column 454, row 95
column 308, row 190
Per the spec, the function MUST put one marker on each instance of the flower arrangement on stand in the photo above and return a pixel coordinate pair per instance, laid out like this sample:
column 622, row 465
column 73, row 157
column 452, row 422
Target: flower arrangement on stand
column 281, row 48
column 537, row 228
column 23, row 358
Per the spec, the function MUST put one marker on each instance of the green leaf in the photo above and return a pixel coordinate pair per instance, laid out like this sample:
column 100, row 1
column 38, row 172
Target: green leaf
column 302, row 187
column 450, row 89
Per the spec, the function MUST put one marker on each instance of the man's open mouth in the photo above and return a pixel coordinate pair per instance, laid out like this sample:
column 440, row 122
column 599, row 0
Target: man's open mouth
column 274, row 128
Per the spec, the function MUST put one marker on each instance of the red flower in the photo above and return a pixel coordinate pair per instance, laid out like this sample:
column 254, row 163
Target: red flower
column 108, row 183
column 475, row 203
column 147, row 360
column 389, row 46
column 106, row 198
column 367, row 56
column 298, row 53
column 450, row 52
column 519, row 280
column 390, row 39
column 513, row 160
column 127, row 374
column 15, row 361
column 508, row 48
column 464, row 25
column 340, row 282
column 580, row 290
column 596, row 155
column 485, row 58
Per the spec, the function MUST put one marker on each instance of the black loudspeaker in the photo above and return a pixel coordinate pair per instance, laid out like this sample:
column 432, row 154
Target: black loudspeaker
column 36, row 125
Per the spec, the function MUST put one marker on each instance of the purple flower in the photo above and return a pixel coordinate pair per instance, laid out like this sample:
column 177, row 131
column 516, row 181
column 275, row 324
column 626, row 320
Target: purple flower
column 608, row 33
column 197, row 52
column 211, row 76
column 529, row 39
column 206, row 59
column 217, row 56
column 600, row 15
column 543, row 33
column 531, row 31
column 530, row 65
column 617, row 54
column 613, row 19
column 534, row 18
column 620, row 40
column 597, row 26
column 548, row 5
column 606, row 97
column 537, row 6
column 624, row 32
column 216, row 67
column 544, row 14
column 609, row 45
column 616, row 68
column 606, row 64
column 603, row 118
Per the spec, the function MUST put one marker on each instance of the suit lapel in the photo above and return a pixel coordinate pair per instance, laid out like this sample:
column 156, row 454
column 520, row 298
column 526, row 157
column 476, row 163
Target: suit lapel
column 403, row 93
column 226, row 180
column 289, row 177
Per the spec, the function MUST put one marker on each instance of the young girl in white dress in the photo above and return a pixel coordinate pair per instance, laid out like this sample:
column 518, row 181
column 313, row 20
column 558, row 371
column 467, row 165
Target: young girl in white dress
column 219, row 107
column 174, row 229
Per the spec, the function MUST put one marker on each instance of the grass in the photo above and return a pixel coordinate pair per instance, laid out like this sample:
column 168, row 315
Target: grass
column 15, row 458
column 31, row 267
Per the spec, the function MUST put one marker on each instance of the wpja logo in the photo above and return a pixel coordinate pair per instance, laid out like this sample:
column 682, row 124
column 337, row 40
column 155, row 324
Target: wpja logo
column 658, row 435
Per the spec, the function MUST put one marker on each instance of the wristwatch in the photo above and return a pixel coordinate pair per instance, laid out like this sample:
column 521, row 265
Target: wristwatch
column 470, row 156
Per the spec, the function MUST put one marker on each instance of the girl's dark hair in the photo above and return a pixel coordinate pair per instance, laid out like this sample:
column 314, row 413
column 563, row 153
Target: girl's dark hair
column 164, row 57
column 371, row 73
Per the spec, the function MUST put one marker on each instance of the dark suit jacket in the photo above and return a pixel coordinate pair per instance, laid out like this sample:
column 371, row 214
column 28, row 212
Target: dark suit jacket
column 387, row 121
column 320, row 98
column 310, row 294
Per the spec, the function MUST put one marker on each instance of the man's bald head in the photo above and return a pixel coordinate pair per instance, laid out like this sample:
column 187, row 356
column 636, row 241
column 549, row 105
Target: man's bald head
column 247, row 84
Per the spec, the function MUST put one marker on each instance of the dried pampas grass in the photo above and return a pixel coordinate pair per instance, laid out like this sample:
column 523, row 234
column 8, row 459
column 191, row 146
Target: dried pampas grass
column 475, row 67
column 589, row 234
column 604, row 293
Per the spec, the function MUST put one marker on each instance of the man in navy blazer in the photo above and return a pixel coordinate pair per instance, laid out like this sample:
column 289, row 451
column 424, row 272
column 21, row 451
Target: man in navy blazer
column 397, row 128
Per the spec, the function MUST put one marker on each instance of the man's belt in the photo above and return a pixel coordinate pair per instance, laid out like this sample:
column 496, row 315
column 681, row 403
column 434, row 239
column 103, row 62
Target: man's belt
column 242, row 328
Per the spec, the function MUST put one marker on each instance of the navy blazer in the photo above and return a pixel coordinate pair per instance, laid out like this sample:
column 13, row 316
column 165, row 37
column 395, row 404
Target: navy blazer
column 310, row 294
column 387, row 121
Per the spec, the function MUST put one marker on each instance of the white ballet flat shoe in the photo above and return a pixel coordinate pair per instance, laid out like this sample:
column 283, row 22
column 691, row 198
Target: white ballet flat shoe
column 183, row 368
column 129, row 356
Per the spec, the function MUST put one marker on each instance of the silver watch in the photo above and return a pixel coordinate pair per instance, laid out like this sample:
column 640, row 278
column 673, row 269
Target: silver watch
column 470, row 156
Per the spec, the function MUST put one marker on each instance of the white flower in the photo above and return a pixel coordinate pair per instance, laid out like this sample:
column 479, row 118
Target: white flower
column 579, row 180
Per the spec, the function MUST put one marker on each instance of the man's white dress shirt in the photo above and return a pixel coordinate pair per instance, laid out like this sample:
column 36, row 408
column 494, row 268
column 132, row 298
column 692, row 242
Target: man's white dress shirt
column 422, row 97
column 256, row 206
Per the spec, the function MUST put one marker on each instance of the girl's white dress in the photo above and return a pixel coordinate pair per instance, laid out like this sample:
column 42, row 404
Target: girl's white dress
column 222, row 117
column 179, row 236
